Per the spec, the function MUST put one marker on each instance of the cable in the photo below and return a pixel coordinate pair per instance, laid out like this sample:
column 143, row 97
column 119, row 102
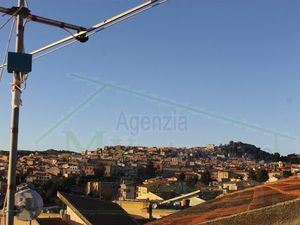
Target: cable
column 53, row 50
column 69, row 32
column 93, row 30
column 6, row 22
column 88, row 34
column 7, row 48
column 9, row 19
column 26, row 4
column 147, row 5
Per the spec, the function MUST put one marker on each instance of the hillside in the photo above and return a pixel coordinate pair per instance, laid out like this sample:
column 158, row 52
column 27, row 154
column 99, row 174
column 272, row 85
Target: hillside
column 239, row 202
column 239, row 149
column 44, row 153
column 286, row 213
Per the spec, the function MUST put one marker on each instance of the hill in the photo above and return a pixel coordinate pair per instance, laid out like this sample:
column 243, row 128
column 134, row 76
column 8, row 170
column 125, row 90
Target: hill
column 44, row 153
column 286, row 213
column 236, row 203
column 240, row 149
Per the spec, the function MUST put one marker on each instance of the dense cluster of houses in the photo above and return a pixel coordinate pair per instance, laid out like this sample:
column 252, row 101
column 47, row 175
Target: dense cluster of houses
column 121, row 164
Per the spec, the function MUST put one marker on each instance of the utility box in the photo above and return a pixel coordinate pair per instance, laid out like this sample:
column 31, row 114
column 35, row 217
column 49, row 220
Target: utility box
column 19, row 62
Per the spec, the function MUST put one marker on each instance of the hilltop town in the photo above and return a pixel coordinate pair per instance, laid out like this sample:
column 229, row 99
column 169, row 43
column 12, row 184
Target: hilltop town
column 149, row 182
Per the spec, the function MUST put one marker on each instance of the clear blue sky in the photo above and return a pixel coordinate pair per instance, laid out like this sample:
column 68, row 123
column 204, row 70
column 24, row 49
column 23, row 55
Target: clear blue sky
column 236, row 59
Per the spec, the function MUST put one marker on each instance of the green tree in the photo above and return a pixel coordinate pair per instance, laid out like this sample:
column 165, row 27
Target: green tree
column 262, row 175
column 48, row 191
column 150, row 170
column 276, row 157
column 252, row 174
column 181, row 177
column 99, row 172
column 287, row 173
column 206, row 178
column 192, row 183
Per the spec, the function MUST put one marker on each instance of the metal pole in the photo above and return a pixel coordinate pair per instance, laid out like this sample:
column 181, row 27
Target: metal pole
column 16, row 102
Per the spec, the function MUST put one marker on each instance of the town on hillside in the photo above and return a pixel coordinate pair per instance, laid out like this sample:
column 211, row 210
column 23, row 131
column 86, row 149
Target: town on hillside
column 146, row 183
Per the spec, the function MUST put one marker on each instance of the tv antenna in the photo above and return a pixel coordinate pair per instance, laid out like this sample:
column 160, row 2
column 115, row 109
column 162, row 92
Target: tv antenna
column 19, row 64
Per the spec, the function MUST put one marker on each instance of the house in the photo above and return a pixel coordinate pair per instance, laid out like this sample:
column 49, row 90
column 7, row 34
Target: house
column 238, row 185
column 222, row 175
column 4, row 157
column 70, row 170
column 161, row 189
column 54, row 171
column 88, row 211
column 88, row 170
column 231, row 186
column 103, row 190
column 281, row 165
column 38, row 177
column 127, row 190
column 210, row 147
column 295, row 169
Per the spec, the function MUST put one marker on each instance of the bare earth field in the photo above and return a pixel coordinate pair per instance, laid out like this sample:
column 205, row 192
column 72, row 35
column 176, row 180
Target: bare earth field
column 244, row 202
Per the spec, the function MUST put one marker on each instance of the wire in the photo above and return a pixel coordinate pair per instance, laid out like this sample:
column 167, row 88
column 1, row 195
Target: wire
column 69, row 32
column 53, row 50
column 93, row 30
column 88, row 34
column 26, row 4
column 9, row 19
column 7, row 48
column 6, row 22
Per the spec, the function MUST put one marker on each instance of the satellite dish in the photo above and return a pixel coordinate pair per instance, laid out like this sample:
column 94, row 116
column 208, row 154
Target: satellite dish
column 28, row 204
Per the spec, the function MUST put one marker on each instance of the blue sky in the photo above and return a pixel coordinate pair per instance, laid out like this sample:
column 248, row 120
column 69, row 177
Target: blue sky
column 235, row 59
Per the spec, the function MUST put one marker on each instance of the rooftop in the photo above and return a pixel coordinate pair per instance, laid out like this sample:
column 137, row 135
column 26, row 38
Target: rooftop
column 51, row 221
column 96, row 212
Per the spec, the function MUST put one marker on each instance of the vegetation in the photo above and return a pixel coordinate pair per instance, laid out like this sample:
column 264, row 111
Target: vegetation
column 150, row 169
column 260, row 175
column 252, row 174
column 287, row 173
column 206, row 178
column 181, row 177
column 239, row 149
column 276, row 157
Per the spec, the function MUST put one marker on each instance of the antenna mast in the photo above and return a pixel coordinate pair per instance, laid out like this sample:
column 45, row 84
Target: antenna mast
column 20, row 68
column 18, row 77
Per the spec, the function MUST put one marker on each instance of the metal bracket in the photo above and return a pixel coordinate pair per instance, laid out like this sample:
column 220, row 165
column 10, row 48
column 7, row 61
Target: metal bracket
column 82, row 38
column 19, row 10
